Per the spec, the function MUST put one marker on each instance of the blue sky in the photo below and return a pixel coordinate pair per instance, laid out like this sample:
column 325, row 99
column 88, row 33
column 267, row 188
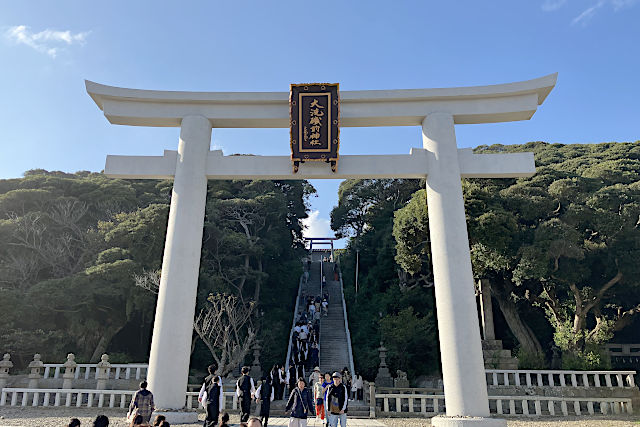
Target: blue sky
column 47, row 49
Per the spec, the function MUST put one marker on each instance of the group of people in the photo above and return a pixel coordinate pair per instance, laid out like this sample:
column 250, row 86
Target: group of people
column 138, row 419
column 327, row 399
column 316, row 307
column 211, row 396
column 324, row 396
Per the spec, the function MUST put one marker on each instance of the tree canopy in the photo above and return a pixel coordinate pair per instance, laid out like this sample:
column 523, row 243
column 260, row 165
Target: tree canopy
column 560, row 250
column 75, row 243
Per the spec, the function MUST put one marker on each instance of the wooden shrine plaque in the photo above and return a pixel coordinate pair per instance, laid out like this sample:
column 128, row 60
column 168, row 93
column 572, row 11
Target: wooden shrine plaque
column 314, row 111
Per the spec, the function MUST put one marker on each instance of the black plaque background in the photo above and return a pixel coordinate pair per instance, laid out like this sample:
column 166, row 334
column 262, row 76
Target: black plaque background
column 330, row 129
column 324, row 100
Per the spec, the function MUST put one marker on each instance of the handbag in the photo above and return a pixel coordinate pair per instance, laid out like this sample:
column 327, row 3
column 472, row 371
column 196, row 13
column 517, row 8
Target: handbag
column 132, row 415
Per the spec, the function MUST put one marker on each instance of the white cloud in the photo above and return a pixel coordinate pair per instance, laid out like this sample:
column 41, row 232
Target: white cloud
column 621, row 4
column 587, row 14
column 47, row 41
column 216, row 144
column 551, row 5
column 316, row 226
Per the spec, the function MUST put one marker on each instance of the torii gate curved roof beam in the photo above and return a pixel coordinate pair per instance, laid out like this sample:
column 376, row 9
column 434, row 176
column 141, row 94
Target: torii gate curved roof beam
column 405, row 107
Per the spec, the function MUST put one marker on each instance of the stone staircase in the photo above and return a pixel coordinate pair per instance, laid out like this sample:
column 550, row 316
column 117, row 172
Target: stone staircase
column 496, row 357
column 334, row 355
column 313, row 285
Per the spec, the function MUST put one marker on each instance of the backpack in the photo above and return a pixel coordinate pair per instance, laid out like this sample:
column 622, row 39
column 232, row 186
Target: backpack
column 334, row 401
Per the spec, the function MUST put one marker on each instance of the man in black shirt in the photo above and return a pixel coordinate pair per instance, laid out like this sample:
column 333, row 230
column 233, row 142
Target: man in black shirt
column 337, row 400
column 211, row 396
column 245, row 389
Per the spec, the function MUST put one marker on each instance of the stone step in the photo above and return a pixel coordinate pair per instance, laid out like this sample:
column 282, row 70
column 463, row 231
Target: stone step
column 493, row 354
column 492, row 344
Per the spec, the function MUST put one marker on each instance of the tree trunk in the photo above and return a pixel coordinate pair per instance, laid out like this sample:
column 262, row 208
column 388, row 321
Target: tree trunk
column 256, row 294
column 104, row 342
column 525, row 336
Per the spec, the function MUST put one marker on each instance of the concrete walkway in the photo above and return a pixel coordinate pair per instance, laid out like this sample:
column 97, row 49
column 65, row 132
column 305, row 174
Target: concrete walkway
column 311, row 422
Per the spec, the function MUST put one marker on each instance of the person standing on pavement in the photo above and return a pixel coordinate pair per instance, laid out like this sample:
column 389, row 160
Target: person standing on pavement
column 325, row 389
column 337, row 401
column 264, row 396
column 318, row 397
column 300, row 405
column 245, row 389
column 359, row 385
column 142, row 403
column 212, row 397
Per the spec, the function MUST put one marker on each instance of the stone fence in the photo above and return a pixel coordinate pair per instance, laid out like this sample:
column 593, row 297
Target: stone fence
column 623, row 350
column 431, row 405
column 521, row 393
column 69, row 375
column 116, row 371
column 554, row 378
column 90, row 398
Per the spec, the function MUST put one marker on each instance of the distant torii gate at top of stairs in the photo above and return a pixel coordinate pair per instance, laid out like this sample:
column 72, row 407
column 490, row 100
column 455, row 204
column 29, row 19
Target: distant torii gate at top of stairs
column 321, row 241
column 436, row 111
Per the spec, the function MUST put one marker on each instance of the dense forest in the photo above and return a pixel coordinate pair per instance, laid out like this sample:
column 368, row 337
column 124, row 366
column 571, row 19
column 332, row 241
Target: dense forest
column 560, row 250
column 74, row 246
column 81, row 252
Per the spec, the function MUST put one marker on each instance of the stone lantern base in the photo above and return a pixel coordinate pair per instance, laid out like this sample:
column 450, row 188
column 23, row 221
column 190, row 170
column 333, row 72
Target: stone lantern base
column 178, row 417
column 444, row 421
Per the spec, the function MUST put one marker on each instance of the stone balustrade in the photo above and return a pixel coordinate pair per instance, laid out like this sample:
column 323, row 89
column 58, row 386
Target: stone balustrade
column 117, row 371
column 620, row 350
column 43, row 397
column 431, row 405
column 72, row 374
column 556, row 378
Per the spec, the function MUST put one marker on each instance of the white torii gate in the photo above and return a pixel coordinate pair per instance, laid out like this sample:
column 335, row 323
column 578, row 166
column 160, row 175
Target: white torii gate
column 440, row 161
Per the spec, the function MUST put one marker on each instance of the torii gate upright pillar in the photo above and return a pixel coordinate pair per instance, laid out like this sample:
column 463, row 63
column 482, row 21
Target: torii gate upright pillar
column 460, row 347
column 173, row 328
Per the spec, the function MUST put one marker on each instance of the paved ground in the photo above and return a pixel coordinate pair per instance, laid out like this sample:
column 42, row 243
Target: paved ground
column 50, row 417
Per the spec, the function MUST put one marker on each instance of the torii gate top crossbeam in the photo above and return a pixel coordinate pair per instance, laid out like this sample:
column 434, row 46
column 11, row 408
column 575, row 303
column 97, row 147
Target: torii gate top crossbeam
column 473, row 104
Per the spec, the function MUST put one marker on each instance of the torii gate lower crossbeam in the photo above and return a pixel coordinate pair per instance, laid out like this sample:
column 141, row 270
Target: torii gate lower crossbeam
column 439, row 161
column 321, row 241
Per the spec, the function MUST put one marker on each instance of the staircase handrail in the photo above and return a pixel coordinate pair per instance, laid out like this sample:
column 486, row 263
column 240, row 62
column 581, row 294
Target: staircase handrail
column 346, row 324
column 293, row 324
column 321, row 276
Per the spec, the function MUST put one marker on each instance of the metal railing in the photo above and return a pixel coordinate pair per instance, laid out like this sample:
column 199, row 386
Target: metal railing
column 293, row 324
column 346, row 325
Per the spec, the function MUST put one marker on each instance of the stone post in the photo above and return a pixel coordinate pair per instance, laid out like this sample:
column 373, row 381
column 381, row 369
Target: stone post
column 488, row 330
column 383, row 379
column 70, row 367
column 34, row 371
column 460, row 348
column 175, row 309
column 372, row 400
column 5, row 365
column 103, row 372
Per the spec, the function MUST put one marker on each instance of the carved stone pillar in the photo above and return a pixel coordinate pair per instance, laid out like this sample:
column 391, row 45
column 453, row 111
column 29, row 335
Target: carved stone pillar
column 5, row 365
column 383, row 379
column 35, row 369
column 70, row 367
column 103, row 372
